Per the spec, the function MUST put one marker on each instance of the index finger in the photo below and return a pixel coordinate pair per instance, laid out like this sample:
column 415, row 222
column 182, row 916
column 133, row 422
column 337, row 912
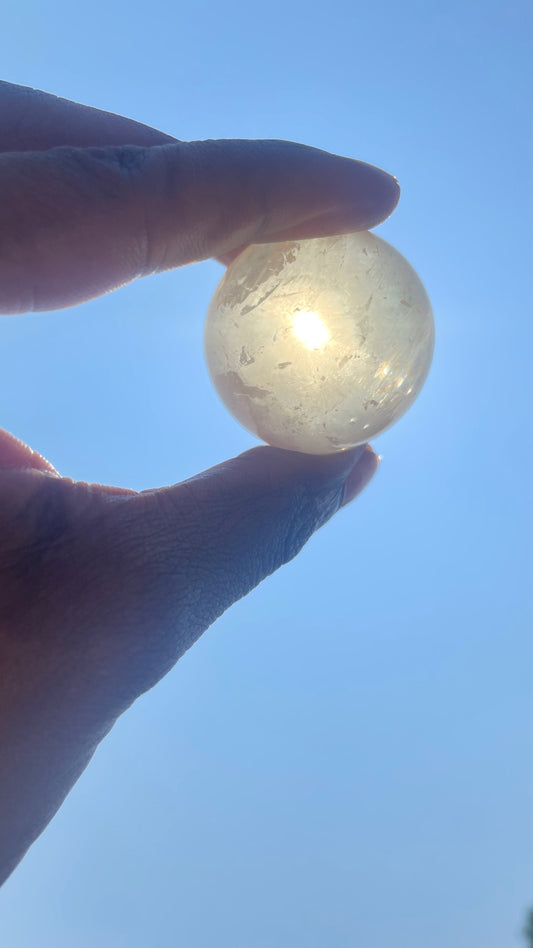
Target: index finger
column 77, row 222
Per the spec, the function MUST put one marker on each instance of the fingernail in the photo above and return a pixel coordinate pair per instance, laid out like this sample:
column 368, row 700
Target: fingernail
column 360, row 475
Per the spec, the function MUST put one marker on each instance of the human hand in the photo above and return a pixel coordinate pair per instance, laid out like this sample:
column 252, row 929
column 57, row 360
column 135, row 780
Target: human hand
column 103, row 589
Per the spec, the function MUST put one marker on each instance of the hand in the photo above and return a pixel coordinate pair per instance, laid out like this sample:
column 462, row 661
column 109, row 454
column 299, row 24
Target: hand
column 103, row 589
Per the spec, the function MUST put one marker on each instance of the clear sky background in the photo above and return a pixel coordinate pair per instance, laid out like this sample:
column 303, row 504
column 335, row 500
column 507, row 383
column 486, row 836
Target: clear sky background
column 345, row 759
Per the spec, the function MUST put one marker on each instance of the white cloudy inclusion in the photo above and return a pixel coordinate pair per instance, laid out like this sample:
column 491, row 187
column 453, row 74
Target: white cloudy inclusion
column 319, row 345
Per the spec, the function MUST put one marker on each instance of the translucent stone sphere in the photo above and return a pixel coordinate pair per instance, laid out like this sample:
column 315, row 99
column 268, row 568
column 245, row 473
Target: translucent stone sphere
column 319, row 345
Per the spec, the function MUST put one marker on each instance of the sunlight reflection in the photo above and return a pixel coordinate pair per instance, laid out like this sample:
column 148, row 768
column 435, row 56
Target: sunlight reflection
column 310, row 329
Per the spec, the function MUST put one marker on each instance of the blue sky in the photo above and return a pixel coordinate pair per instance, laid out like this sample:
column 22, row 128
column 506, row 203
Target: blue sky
column 271, row 792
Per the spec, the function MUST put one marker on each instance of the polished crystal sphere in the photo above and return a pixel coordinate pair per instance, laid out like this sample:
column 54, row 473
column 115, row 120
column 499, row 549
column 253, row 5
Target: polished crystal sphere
column 319, row 345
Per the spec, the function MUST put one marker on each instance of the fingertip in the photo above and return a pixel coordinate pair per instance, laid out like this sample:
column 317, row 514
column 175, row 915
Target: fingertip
column 371, row 199
column 361, row 474
column 347, row 195
column 385, row 197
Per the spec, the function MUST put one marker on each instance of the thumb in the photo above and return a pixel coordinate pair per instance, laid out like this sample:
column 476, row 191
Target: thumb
column 197, row 547
column 136, row 578
column 101, row 592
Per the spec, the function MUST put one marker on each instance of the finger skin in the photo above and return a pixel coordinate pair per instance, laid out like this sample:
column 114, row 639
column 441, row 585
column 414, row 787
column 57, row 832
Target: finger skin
column 15, row 454
column 122, row 586
column 35, row 121
column 76, row 223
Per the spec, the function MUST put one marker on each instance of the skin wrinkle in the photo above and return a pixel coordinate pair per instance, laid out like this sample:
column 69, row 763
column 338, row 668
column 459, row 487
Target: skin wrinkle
column 220, row 560
column 236, row 564
column 163, row 191
column 305, row 515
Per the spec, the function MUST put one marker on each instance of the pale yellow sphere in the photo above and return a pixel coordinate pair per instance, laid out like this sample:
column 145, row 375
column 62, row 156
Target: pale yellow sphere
column 319, row 345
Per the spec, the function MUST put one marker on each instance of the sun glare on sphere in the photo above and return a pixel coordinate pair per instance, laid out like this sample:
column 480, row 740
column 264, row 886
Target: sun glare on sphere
column 310, row 329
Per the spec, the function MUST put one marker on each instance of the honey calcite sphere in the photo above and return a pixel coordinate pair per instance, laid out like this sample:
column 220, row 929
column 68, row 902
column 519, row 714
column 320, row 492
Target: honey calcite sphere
column 319, row 345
